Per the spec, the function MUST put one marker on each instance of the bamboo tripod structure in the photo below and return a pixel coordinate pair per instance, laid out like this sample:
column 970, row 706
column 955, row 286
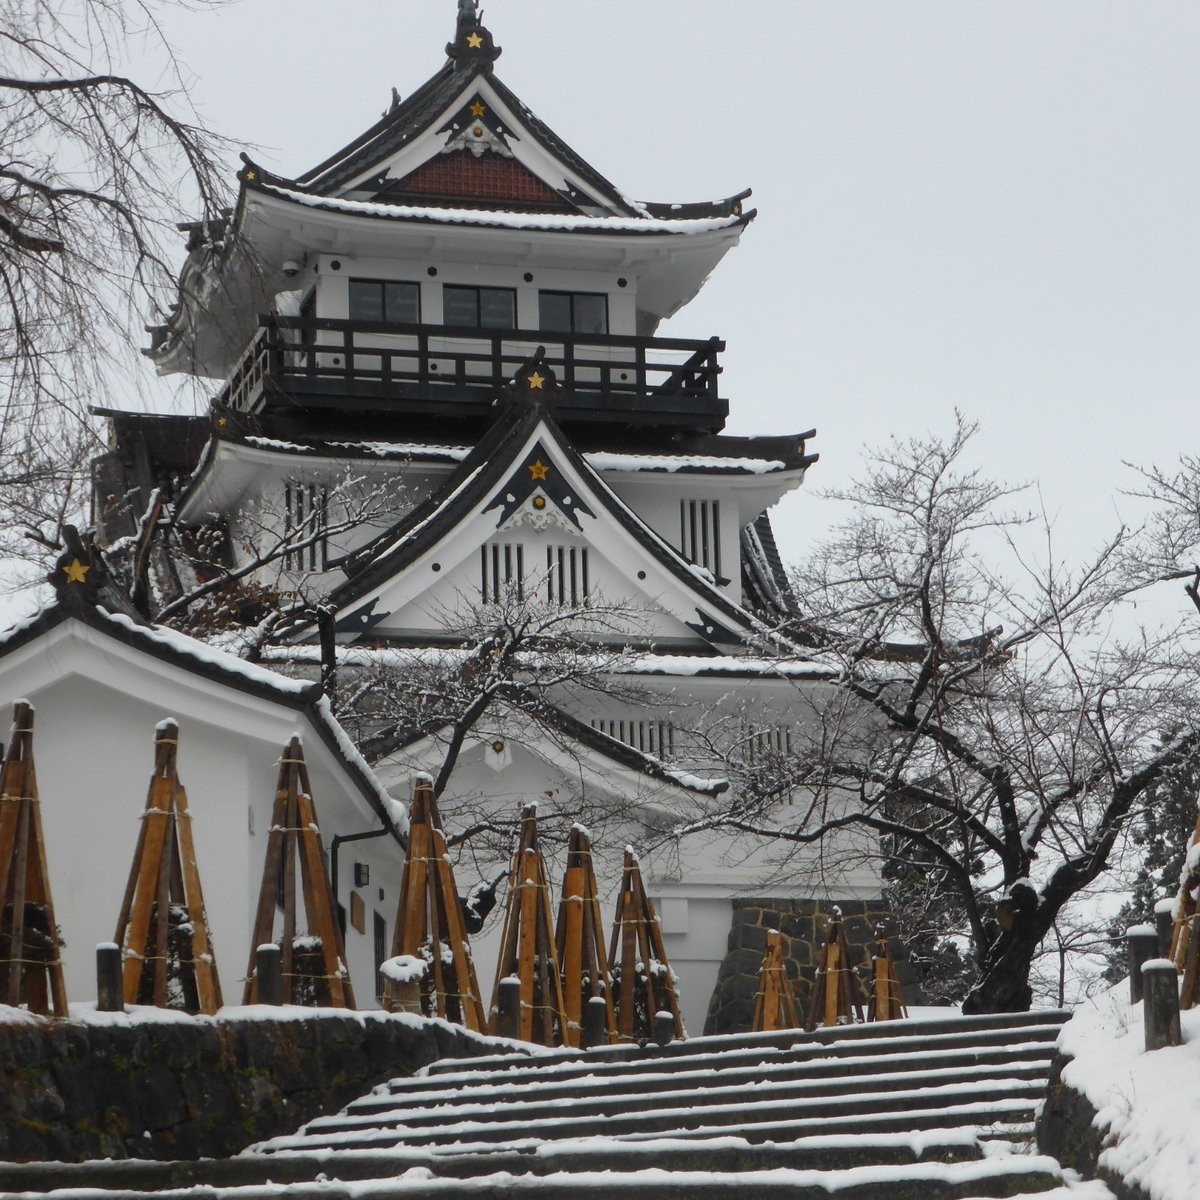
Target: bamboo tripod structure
column 30, row 965
column 429, row 922
column 775, row 1003
column 294, row 832
column 887, row 996
column 640, row 994
column 579, row 940
column 835, row 999
column 164, row 883
column 527, row 946
column 1185, row 944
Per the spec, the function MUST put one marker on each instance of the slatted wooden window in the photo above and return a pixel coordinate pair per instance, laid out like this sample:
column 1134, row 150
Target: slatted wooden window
column 650, row 737
column 306, row 519
column 567, row 580
column 501, row 571
column 766, row 744
column 700, row 533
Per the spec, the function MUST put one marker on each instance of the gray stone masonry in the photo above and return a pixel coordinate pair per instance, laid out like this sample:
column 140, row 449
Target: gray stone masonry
column 803, row 925
column 191, row 1088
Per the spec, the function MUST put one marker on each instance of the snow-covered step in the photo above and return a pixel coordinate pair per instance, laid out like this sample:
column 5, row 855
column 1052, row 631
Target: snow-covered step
column 817, row 1075
column 981, row 1180
column 531, row 1107
column 1039, row 1025
column 915, row 1110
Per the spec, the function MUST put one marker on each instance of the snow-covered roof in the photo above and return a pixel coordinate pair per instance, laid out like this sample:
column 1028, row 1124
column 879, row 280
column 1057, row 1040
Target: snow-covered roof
column 218, row 666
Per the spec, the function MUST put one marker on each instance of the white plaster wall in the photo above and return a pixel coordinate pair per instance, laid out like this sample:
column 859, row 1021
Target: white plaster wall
column 93, row 747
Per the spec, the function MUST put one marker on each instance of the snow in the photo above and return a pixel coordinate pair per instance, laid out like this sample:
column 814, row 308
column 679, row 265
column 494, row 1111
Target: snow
column 404, row 968
column 682, row 462
column 1146, row 1102
column 206, row 655
column 507, row 220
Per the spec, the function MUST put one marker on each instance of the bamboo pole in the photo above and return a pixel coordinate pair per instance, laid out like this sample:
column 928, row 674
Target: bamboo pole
column 528, row 950
column 645, row 984
column 775, row 1002
column 30, row 963
column 579, row 941
column 429, row 922
column 163, row 920
column 293, row 834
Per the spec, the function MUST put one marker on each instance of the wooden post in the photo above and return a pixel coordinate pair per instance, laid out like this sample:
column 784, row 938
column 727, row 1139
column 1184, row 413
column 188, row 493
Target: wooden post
column 313, row 964
column 508, row 1009
column 268, row 973
column 643, row 982
column 30, row 964
column 1141, row 945
column 1160, row 1013
column 579, row 940
column 429, row 922
column 887, row 997
column 527, row 945
column 1185, row 944
column 163, row 921
column 775, row 1002
column 836, row 996
column 110, row 993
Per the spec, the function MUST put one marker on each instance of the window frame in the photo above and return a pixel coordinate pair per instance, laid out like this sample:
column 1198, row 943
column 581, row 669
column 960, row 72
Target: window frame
column 478, row 290
column 572, row 296
column 383, row 285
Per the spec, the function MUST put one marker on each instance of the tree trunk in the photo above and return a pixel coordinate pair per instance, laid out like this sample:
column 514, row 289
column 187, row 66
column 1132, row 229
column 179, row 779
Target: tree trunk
column 1006, row 965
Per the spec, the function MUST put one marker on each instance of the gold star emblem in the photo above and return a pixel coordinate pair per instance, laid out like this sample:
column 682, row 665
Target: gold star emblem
column 537, row 381
column 251, row 176
column 539, row 470
column 222, row 422
column 76, row 572
column 474, row 41
column 478, row 109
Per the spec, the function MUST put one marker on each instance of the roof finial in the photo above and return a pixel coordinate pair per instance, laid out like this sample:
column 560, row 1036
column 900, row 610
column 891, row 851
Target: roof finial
column 468, row 13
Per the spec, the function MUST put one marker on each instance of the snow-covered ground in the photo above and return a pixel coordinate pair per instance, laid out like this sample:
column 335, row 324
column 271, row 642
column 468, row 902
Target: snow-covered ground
column 1148, row 1104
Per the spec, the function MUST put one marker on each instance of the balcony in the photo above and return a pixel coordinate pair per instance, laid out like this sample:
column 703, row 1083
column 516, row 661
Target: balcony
column 443, row 371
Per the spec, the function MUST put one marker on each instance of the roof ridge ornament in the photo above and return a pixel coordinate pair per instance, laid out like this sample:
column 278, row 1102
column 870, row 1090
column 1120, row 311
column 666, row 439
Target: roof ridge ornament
column 473, row 42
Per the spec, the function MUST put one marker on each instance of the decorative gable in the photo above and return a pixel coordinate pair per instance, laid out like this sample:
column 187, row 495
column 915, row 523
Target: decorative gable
column 477, row 175
column 539, row 493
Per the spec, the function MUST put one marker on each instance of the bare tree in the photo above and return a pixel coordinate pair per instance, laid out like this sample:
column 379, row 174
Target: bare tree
column 96, row 171
column 1169, row 546
column 987, row 724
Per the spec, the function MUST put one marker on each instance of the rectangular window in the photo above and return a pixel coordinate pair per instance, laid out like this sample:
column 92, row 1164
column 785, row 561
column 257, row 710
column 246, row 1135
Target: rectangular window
column 479, row 307
column 385, row 301
column 573, row 312
column 305, row 522
column 700, row 533
column 567, row 581
column 381, row 954
column 656, row 738
column 501, row 571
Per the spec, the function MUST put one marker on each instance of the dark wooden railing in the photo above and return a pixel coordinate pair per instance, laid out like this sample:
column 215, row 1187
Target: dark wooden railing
column 441, row 369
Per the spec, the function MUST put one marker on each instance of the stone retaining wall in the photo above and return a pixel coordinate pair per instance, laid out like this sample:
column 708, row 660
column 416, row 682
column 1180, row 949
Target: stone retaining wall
column 197, row 1087
column 803, row 925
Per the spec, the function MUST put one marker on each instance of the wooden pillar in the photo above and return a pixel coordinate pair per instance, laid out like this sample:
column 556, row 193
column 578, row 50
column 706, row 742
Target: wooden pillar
column 775, row 1002
column 643, row 982
column 527, row 946
column 30, row 963
column 313, row 964
column 163, row 923
column 836, row 996
column 429, row 923
column 579, row 940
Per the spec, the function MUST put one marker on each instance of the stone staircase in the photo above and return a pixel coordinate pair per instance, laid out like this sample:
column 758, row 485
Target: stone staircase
column 912, row 1110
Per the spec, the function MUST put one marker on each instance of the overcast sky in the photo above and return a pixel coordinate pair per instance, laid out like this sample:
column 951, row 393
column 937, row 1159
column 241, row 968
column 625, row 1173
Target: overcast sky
column 991, row 205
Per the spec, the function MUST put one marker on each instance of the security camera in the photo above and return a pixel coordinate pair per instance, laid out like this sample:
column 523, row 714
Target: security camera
column 291, row 268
